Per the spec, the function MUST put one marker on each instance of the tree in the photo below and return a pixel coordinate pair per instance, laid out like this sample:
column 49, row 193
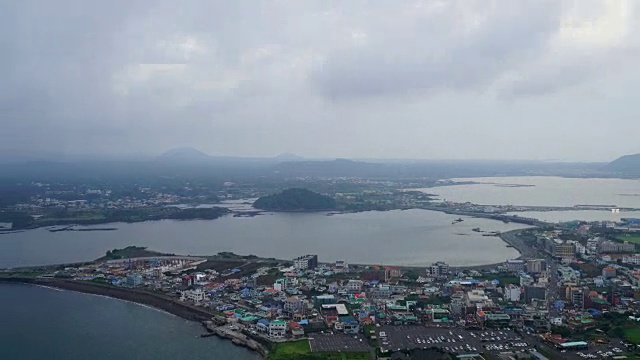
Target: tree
column 616, row 332
column 411, row 275
column 563, row 331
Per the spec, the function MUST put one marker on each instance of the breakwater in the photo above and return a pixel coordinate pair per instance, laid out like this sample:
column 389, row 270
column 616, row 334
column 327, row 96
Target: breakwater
column 237, row 338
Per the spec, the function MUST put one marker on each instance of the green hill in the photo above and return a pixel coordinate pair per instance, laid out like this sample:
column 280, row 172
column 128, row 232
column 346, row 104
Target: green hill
column 295, row 200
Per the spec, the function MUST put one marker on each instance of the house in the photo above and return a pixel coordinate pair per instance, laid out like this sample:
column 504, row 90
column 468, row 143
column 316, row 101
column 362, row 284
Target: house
column 351, row 325
column 262, row 326
column 294, row 305
column 296, row 329
column 331, row 312
column 277, row 329
column 197, row 296
column 320, row 300
column 354, row 286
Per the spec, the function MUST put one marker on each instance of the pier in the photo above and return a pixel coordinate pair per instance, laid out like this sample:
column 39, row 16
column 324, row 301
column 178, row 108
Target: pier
column 236, row 337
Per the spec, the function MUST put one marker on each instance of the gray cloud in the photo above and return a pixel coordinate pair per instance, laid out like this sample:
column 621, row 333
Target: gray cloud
column 442, row 51
column 353, row 79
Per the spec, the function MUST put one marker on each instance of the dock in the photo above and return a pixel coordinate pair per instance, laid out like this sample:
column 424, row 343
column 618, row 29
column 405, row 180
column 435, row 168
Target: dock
column 236, row 337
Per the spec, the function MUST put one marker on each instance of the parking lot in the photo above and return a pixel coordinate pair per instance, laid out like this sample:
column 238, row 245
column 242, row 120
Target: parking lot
column 460, row 341
column 338, row 342
column 457, row 341
column 596, row 352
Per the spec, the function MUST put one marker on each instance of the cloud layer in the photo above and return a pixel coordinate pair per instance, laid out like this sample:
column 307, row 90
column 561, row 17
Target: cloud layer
column 422, row 79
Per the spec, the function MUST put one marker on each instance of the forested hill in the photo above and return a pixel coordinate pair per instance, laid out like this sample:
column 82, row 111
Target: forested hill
column 295, row 200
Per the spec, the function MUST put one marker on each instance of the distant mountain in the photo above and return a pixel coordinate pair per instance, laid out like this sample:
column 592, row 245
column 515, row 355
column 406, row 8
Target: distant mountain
column 185, row 153
column 328, row 168
column 295, row 200
column 288, row 157
column 434, row 169
column 626, row 165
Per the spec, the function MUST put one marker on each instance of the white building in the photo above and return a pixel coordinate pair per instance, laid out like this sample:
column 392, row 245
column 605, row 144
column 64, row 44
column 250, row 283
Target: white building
column 354, row 285
column 512, row 293
column 580, row 249
column 277, row 329
column 515, row 265
column 341, row 266
column 306, row 262
column 632, row 259
column 197, row 296
column 281, row 284
column 438, row 269
column 616, row 247
column 478, row 298
column 592, row 245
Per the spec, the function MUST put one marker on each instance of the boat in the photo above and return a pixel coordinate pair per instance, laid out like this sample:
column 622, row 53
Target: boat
column 458, row 220
column 476, row 230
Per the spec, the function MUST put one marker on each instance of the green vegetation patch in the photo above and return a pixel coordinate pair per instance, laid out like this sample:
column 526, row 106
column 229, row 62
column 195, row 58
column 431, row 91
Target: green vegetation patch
column 587, row 269
column 632, row 334
column 27, row 274
column 301, row 350
column 295, row 200
column 290, row 350
column 635, row 239
column 130, row 252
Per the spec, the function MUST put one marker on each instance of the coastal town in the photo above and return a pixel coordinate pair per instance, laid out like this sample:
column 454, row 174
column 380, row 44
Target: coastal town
column 52, row 204
column 574, row 293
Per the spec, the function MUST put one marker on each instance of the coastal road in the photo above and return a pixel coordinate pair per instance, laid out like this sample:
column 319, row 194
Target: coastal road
column 512, row 238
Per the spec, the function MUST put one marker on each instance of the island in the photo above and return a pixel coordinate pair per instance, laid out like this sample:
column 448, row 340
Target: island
column 296, row 199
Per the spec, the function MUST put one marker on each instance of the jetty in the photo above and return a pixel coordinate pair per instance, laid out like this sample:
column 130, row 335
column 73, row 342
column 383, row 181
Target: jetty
column 237, row 338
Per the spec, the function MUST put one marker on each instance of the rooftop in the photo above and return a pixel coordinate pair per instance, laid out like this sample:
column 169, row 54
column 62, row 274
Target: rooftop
column 574, row 343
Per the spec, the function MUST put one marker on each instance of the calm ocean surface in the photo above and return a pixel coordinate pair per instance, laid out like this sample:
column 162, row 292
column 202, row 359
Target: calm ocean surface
column 41, row 323
column 546, row 191
column 411, row 237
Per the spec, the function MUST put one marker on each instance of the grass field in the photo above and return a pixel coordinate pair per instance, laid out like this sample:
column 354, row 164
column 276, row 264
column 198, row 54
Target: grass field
column 290, row 350
column 300, row 350
column 635, row 239
column 633, row 334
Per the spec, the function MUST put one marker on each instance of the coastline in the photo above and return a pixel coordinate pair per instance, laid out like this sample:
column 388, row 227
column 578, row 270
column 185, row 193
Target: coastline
column 144, row 298
column 164, row 303
column 212, row 322
column 508, row 237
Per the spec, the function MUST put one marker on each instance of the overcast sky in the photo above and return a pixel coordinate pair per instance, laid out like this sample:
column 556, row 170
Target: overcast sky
column 380, row 79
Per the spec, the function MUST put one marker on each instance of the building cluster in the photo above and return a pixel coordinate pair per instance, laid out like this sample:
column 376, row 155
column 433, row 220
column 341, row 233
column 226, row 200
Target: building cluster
column 570, row 250
column 570, row 283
